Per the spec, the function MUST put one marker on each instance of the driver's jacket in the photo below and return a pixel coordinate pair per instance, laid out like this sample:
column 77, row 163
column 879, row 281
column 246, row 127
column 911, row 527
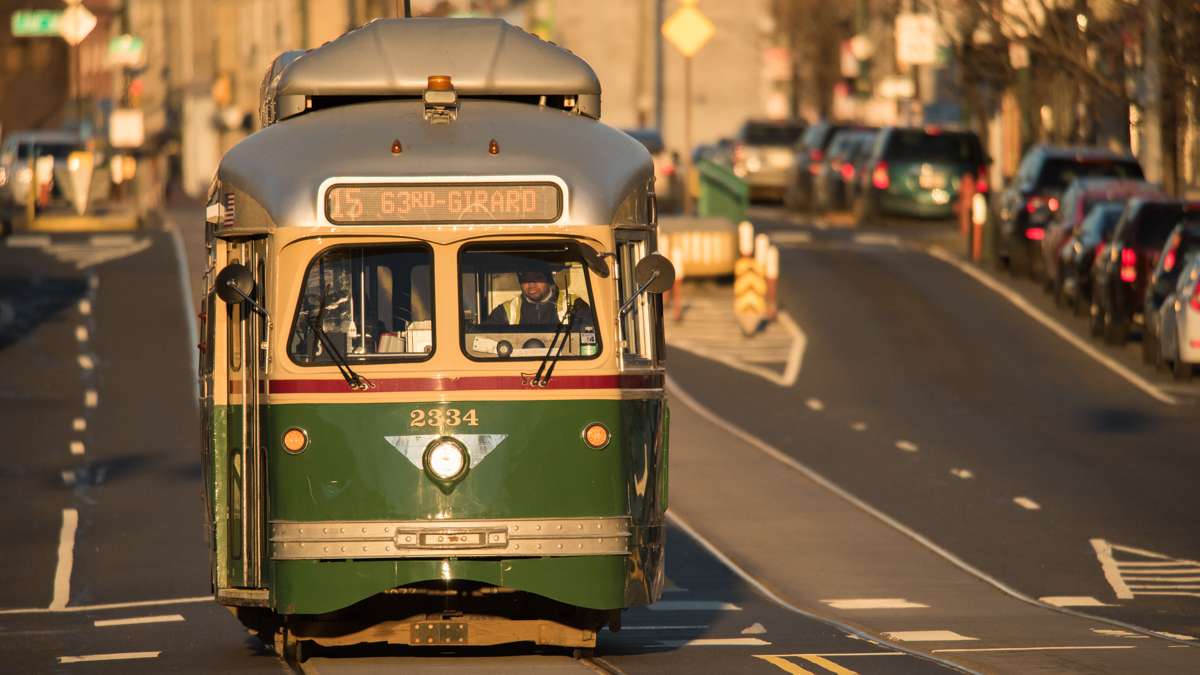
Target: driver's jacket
column 512, row 308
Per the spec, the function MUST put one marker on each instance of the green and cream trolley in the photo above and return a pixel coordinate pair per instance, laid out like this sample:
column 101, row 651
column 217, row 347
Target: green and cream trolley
column 432, row 374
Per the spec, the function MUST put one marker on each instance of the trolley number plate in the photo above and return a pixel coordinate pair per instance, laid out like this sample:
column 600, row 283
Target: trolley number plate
column 439, row 633
column 443, row 417
column 426, row 204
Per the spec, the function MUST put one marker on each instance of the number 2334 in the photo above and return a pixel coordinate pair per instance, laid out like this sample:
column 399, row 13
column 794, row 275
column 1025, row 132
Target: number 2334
column 443, row 417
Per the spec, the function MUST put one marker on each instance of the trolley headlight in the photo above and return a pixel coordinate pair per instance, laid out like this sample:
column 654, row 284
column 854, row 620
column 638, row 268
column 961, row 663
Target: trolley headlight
column 295, row 440
column 446, row 459
column 596, row 436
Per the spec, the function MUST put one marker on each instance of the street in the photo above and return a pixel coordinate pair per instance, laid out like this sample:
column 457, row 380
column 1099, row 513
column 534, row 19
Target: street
column 935, row 464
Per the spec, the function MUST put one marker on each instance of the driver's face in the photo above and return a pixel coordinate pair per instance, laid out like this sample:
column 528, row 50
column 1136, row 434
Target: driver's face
column 535, row 286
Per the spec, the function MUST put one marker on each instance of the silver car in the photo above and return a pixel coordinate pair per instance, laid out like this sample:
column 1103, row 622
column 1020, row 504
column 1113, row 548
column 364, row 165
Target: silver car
column 1179, row 322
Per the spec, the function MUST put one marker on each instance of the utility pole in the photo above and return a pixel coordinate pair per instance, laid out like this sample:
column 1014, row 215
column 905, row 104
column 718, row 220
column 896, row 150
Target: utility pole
column 1152, row 149
column 658, row 65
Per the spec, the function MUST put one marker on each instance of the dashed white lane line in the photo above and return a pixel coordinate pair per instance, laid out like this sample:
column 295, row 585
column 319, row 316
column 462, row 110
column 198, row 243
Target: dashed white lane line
column 815, row 404
column 79, row 424
column 86, row 362
column 91, row 398
column 713, row 642
column 968, row 650
column 110, row 605
column 138, row 620
column 77, row 447
column 790, row 238
column 624, row 628
column 81, row 333
column 1120, row 633
column 927, row 636
column 755, row 628
column 28, row 241
column 1058, row 329
column 693, row 606
column 122, row 656
column 965, row 474
column 1027, row 503
column 1073, row 601
column 858, row 426
column 66, row 559
column 907, row 446
column 873, row 603
column 85, row 307
column 873, row 239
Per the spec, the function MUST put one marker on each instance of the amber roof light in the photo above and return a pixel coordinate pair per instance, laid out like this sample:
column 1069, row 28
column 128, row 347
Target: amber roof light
column 440, row 83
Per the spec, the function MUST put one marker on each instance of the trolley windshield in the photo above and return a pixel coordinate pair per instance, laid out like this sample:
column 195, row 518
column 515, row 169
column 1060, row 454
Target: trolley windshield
column 517, row 297
column 374, row 303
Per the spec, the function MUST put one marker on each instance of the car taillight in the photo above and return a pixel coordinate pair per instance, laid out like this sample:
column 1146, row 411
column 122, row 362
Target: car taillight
column 1099, row 249
column 879, row 176
column 1169, row 261
column 1033, row 204
column 981, row 184
column 816, row 154
column 1195, row 303
column 1128, row 265
column 847, row 171
column 1035, row 234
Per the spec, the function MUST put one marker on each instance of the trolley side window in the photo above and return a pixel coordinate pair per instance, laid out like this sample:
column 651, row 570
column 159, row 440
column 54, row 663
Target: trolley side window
column 637, row 326
column 516, row 297
column 374, row 303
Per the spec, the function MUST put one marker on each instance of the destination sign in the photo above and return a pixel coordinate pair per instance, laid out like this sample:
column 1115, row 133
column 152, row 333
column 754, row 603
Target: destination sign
column 381, row 204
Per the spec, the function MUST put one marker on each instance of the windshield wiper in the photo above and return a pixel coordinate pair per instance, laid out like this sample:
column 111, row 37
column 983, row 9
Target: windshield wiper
column 357, row 382
column 551, row 358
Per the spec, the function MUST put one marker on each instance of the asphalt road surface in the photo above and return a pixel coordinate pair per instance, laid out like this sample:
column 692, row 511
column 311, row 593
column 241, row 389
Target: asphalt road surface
column 886, row 483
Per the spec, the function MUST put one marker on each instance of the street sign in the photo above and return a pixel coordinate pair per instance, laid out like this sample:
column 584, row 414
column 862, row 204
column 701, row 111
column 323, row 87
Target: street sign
column 917, row 39
column 36, row 22
column 76, row 23
column 126, row 51
column 688, row 30
column 126, row 128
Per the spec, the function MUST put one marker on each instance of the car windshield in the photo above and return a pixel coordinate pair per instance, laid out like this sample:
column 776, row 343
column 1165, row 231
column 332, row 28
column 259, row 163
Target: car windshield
column 1057, row 174
column 1100, row 220
column 375, row 303
column 911, row 145
column 515, row 297
column 771, row 134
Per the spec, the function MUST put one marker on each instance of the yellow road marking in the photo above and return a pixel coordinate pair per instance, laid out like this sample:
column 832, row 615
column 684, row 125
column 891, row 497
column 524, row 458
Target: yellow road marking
column 783, row 664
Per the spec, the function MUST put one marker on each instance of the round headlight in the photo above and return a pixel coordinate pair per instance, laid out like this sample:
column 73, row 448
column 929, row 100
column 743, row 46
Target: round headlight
column 596, row 436
column 446, row 459
column 295, row 440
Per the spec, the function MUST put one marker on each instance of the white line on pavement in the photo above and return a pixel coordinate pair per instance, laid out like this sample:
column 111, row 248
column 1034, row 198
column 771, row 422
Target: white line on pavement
column 693, row 605
column 963, row 650
column 91, row 398
column 86, row 362
column 907, row 446
column 111, row 605
column 1027, row 503
column 123, row 656
column 927, row 636
column 1073, row 601
column 79, row 424
column 858, row 426
column 137, row 620
column 965, row 474
column 1108, row 565
column 714, row 642
column 624, row 628
column 81, row 333
column 1058, row 329
column 66, row 559
column 815, row 404
column 873, row 239
column 77, row 447
column 185, row 288
column 873, row 603
column 85, row 307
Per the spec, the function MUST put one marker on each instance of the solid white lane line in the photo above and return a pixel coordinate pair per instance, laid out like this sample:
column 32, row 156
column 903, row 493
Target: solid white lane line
column 873, row 603
column 86, row 362
column 1058, row 329
column 123, row 656
column 28, row 240
column 714, row 642
column 1073, row 601
column 185, row 289
column 77, row 447
column 1112, row 573
column 964, row 650
column 66, row 559
column 111, row 605
column 91, row 398
column 873, row 239
column 1120, row 632
column 965, row 474
column 79, row 424
column 907, row 446
column 81, row 333
column 1027, row 503
column 927, row 636
column 858, row 426
column 693, row 605
column 85, row 307
column 137, row 620
column 815, row 404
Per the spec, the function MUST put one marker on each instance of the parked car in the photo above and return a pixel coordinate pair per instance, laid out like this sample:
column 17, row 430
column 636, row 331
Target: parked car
column 1119, row 281
column 1032, row 197
column 18, row 148
column 838, row 171
column 1179, row 323
column 808, row 157
column 668, row 188
column 1079, row 198
column 1079, row 254
column 917, row 172
column 1183, row 242
column 762, row 155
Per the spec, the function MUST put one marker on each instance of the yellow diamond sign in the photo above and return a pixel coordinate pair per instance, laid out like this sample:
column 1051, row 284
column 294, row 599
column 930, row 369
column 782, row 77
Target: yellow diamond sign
column 688, row 30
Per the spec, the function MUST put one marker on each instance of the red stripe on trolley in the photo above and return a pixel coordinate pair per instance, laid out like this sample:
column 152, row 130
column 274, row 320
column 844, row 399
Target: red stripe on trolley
column 507, row 382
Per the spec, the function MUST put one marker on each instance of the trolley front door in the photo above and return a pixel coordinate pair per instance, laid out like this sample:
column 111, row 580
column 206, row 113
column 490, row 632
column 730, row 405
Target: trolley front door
column 247, row 508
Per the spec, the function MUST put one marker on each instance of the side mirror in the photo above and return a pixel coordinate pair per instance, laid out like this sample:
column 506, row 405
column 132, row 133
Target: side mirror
column 594, row 260
column 655, row 273
column 235, row 284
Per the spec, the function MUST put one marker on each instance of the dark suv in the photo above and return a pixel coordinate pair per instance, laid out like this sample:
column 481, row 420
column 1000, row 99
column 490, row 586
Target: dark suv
column 1033, row 196
column 917, row 172
column 808, row 161
column 1119, row 277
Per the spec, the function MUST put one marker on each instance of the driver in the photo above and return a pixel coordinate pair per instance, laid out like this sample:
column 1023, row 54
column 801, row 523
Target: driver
column 541, row 302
